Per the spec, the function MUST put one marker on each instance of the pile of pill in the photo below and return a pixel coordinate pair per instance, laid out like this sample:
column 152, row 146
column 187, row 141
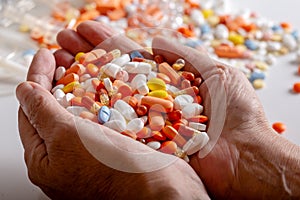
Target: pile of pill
column 244, row 40
column 151, row 101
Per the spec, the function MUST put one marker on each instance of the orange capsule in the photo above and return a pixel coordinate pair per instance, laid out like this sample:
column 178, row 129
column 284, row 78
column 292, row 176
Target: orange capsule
column 114, row 98
column 187, row 75
column 299, row 70
column 193, row 91
column 172, row 134
column 77, row 69
column 158, row 136
column 226, row 51
column 76, row 101
column 166, row 69
column 296, row 87
column 199, row 119
column 95, row 83
column 125, row 90
column 144, row 133
column 156, row 119
column 129, row 134
column 149, row 101
column 72, row 77
column 92, row 70
column 141, row 110
column 133, row 102
column 164, row 77
column 90, row 104
column 175, row 115
column 197, row 82
column 198, row 99
column 168, row 147
column 279, row 127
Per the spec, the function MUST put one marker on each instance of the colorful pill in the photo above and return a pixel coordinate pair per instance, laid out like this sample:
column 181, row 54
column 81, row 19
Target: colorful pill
column 158, row 93
column 77, row 69
column 103, row 114
column 279, row 127
column 90, row 104
column 68, row 79
column 156, row 120
column 71, row 86
column 150, row 101
column 168, row 147
column 166, row 69
column 156, row 84
column 173, row 135
column 296, row 87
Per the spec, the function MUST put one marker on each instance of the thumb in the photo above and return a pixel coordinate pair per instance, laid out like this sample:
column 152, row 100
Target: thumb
column 40, row 107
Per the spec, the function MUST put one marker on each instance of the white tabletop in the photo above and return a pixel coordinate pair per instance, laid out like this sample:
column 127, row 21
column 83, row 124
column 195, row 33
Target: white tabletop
column 279, row 104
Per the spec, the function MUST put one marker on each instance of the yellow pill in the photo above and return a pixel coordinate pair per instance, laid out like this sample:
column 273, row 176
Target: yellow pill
column 236, row 38
column 70, row 87
column 78, row 55
column 207, row 13
column 158, row 93
column 262, row 65
column 156, row 84
column 258, row 83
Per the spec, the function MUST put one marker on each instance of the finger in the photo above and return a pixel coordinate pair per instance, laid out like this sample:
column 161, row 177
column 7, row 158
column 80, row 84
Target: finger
column 63, row 58
column 41, row 108
column 73, row 42
column 106, row 38
column 33, row 144
column 42, row 69
column 197, row 61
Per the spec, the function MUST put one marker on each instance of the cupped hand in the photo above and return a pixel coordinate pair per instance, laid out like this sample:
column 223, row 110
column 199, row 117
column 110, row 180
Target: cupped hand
column 237, row 124
column 72, row 158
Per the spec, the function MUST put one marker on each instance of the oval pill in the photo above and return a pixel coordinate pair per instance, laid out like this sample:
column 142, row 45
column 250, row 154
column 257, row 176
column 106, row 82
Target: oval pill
column 156, row 84
column 158, row 93
column 196, row 143
column 154, row 145
column 191, row 110
column 103, row 114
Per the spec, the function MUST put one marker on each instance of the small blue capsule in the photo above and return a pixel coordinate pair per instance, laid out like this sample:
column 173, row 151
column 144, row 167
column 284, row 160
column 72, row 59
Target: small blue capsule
column 103, row 114
column 276, row 28
column 257, row 75
column 135, row 54
column 250, row 44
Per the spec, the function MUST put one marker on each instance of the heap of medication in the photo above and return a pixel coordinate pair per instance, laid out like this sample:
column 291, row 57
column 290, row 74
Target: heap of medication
column 243, row 39
column 151, row 101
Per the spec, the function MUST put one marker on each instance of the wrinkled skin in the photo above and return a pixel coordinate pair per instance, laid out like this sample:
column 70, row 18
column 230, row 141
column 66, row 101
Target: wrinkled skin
column 239, row 161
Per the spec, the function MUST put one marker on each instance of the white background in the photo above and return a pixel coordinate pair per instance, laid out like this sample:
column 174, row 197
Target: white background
column 279, row 104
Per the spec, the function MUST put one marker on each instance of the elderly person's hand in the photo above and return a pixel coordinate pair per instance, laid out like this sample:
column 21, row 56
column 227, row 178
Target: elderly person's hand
column 73, row 158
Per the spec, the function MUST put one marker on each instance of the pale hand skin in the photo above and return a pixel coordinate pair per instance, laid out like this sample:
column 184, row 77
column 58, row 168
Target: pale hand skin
column 63, row 168
column 248, row 161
